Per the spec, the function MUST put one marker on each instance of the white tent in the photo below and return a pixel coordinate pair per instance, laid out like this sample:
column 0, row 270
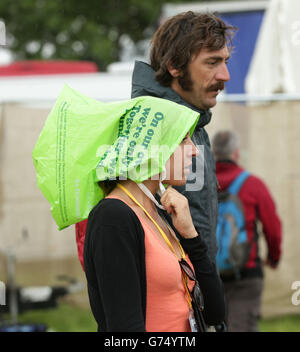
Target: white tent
column 101, row 86
column 275, row 64
column 2, row 33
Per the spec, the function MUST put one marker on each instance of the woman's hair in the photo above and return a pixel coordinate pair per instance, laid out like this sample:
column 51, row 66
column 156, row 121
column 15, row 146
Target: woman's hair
column 182, row 36
column 224, row 143
column 107, row 186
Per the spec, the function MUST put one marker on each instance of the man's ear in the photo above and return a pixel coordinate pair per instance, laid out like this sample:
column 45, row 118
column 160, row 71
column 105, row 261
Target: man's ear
column 174, row 72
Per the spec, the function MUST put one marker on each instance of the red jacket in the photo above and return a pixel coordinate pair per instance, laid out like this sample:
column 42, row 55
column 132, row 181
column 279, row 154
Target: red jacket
column 80, row 228
column 258, row 205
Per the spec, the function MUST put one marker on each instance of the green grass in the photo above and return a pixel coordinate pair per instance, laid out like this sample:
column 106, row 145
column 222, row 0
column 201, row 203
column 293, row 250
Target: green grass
column 69, row 318
column 64, row 318
column 286, row 323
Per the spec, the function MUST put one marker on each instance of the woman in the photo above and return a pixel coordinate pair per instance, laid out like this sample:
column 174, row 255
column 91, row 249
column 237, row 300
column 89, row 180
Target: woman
column 132, row 255
column 139, row 264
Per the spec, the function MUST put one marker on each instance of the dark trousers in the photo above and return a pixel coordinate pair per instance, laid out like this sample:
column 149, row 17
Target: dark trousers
column 243, row 299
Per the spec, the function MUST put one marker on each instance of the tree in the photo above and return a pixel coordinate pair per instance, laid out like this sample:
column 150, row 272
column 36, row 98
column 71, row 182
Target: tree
column 77, row 30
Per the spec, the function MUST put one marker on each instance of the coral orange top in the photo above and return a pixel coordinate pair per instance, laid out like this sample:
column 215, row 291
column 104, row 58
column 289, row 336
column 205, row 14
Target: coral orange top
column 167, row 307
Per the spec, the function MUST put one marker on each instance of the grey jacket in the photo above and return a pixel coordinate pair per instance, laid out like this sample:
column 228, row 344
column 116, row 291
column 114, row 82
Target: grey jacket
column 201, row 188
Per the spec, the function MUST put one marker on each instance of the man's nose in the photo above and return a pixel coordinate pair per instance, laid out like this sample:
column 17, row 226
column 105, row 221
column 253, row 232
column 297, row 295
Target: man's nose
column 223, row 73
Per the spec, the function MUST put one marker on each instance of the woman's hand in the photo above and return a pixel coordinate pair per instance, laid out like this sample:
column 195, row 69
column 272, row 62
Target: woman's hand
column 177, row 205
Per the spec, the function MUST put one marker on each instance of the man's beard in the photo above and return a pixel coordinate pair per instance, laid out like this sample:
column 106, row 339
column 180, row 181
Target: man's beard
column 185, row 81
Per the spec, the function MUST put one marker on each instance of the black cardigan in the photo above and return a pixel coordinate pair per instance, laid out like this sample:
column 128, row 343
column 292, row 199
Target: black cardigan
column 114, row 261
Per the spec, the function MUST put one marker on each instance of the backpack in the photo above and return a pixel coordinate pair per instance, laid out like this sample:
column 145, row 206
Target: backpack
column 232, row 240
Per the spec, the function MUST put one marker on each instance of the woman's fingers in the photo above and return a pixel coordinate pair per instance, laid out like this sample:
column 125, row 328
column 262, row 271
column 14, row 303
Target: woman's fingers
column 177, row 205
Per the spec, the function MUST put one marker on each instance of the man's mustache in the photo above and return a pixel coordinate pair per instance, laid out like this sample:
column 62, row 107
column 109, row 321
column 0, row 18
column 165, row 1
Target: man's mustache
column 217, row 86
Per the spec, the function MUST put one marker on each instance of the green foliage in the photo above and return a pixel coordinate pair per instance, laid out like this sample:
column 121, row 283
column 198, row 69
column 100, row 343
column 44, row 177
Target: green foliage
column 77, row 30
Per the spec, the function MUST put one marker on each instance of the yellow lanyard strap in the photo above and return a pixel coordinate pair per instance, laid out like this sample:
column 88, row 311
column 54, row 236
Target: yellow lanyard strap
column 185, row 279
column 155, row 223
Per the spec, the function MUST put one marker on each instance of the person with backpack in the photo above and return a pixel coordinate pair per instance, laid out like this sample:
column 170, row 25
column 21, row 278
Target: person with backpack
column 244, row 199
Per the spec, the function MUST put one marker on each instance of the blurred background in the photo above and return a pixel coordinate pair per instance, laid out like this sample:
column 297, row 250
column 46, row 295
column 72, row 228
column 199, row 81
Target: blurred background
column 92, row 47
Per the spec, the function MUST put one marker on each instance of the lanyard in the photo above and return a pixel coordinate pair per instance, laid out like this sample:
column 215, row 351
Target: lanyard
column 150, row 195
column 185, row 279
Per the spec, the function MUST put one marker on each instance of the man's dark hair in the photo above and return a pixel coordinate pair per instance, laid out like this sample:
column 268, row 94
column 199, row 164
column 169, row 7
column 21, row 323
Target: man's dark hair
column 182, row 36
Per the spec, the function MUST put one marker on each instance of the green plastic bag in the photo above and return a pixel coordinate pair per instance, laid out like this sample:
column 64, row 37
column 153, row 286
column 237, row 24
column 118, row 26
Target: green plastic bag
column 85, row 141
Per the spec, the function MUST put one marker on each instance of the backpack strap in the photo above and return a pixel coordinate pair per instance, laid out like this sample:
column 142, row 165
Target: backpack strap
column 238, row 182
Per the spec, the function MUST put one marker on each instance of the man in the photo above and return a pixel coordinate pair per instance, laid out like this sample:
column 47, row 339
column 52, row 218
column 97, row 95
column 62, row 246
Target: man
column 243, row 296
column 188, row 65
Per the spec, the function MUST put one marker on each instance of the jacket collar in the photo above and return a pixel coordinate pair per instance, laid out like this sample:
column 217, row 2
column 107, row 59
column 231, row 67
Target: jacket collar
column 144, row 83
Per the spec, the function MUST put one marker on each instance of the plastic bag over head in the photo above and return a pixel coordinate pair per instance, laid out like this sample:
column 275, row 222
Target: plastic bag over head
column 85, row 141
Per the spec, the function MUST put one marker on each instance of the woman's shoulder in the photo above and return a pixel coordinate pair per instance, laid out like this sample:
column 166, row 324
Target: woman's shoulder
column 112, row 208
column 115, row 213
